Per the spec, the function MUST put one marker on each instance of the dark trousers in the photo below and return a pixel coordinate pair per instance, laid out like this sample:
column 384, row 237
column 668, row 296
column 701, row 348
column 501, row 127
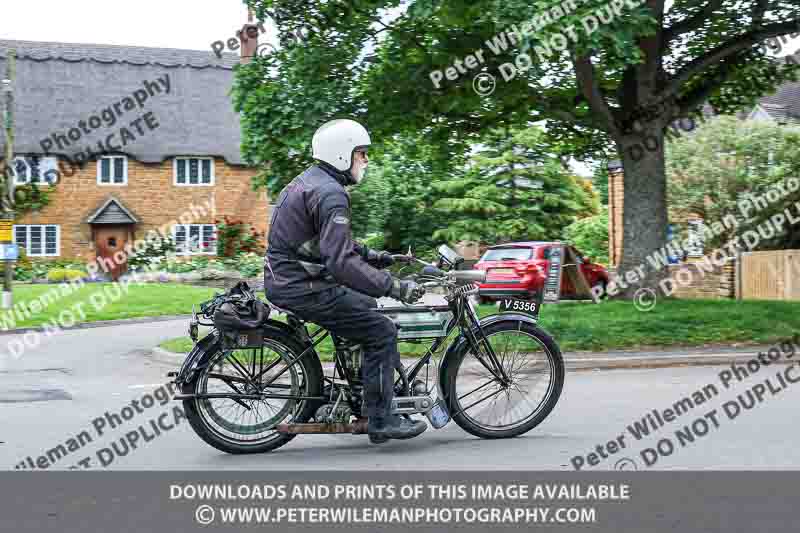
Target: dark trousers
column 354, row 316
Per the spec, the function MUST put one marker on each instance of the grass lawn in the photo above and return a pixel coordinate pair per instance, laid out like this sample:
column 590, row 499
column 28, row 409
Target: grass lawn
column 616, row 325
column 113, row 302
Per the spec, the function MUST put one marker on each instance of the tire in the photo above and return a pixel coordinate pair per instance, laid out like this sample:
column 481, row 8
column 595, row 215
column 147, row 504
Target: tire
column 456, row 361
column 202, row 414
column 602, row 285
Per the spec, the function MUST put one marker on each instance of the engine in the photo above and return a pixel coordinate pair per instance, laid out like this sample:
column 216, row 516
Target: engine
column 351, row 356
column 342, row 414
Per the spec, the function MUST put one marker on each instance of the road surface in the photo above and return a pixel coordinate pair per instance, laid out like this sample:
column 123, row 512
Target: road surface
column 54, row 400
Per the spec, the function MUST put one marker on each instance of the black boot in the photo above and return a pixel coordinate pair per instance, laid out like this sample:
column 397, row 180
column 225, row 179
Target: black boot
column 394, row 427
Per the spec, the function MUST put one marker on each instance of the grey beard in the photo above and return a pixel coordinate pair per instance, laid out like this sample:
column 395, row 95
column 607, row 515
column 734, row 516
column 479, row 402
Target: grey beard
column 358, row 177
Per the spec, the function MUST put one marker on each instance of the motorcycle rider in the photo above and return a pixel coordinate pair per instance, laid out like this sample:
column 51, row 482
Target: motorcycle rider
column 315, row 269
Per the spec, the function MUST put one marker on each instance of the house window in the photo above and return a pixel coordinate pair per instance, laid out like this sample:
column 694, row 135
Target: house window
column 193, row 239
column 194, row 171
column 38, row 239
column 35, row 169
column 112, row 170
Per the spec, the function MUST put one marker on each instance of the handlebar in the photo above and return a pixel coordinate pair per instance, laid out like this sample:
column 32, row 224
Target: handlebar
column 429, row 270
column 467, row 276
column 477, row 276
column 472, row 276
column 404, row 258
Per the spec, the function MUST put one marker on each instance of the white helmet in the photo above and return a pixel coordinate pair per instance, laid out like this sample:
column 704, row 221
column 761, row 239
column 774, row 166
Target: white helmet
column 335, row 141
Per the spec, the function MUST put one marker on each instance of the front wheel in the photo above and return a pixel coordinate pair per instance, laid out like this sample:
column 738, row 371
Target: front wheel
column 484, row 406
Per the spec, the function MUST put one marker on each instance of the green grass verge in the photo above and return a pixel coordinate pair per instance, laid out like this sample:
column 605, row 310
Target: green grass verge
column 101, row 301
column 618, row 325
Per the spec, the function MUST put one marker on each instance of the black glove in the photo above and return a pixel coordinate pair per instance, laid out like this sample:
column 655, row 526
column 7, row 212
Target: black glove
column 406, row 291
column 383, row 260
column 377, row 259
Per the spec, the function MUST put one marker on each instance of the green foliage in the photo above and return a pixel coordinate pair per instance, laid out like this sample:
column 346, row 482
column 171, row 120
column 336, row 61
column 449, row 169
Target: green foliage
column 590, row 236
column 182, row 267
column 374, row 241
column 156, row 250
column 350, row 69
column 26, row 269
column 372, row 60
column 64, row 274
column 600, row 181
column 513, row 190
column 250, row 265
column 395, row 198
column 247, row 264
column 234, row 238
column 30, row 197
column 727, row 161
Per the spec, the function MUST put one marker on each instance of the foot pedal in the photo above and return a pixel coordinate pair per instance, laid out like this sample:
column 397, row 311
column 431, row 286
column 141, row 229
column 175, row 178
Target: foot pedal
column 439, row 415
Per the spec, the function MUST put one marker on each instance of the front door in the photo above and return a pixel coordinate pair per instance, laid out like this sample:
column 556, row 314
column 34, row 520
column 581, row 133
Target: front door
column 110, row 239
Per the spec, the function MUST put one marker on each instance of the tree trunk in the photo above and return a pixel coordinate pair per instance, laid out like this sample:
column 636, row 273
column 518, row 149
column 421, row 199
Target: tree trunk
column 644, row 210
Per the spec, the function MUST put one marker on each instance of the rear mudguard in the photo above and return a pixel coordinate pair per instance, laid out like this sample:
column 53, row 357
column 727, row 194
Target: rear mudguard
column 210, row 344
column 460, row 343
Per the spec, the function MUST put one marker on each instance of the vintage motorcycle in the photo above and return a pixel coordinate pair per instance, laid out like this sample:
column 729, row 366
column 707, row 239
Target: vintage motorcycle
column 254, row 390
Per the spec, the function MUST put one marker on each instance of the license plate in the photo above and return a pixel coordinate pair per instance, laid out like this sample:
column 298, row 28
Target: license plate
column 501, row 271
column 520, row 306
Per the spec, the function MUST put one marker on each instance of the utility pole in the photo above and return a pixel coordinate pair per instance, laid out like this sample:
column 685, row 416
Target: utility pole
column 7, row 192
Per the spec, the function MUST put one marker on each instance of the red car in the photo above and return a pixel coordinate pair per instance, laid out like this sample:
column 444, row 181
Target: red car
column 519, row 269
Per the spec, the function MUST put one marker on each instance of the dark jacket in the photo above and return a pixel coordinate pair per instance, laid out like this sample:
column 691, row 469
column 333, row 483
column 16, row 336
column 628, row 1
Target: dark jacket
column 310, row 245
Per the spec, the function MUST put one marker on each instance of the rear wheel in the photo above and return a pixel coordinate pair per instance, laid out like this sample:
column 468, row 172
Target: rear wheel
column 485, row 407
column 241, row 426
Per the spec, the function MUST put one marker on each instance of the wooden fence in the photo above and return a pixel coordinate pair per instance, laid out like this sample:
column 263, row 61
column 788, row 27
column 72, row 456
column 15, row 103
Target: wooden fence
column 773, row 275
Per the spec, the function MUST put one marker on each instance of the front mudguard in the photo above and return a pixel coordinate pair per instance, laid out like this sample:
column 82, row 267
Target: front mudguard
column 209, row 345
column 460, row 344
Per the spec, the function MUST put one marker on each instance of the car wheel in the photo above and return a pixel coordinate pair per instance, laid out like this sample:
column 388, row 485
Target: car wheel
column 600, row 287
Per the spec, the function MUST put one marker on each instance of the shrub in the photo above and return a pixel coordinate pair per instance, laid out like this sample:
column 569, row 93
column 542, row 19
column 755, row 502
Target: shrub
column 22, row 274
column 250, row 265
column 590, row 236
column 233, row 238
column 154, row 253
column 27, row 270
column 374, row 240
column 64, row 274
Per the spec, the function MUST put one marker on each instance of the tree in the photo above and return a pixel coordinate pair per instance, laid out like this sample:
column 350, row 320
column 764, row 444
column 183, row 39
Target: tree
column 600, row 87
column 590, row 236
column 395, row 197
column 725, row 162
column 513, row 190
column 600, row 181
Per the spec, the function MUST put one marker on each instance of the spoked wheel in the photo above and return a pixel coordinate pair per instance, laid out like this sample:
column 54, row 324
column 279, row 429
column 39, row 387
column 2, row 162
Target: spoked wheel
column 236, row 425
column 483, row 404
